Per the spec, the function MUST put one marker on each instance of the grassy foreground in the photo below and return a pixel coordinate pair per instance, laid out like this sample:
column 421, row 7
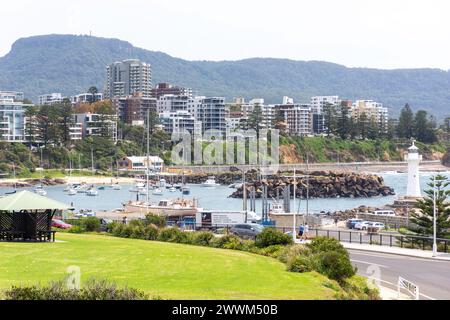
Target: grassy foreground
column 171, row 271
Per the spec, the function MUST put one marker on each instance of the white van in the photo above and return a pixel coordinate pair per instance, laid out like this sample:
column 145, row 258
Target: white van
column 388, row 213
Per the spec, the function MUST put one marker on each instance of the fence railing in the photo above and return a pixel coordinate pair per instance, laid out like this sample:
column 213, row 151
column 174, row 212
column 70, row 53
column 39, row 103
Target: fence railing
column 383, row 239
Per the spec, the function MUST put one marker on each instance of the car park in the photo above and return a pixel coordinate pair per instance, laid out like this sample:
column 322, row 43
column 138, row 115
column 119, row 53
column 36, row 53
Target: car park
column 246, row 230
column 352, row 222
column 362, row 225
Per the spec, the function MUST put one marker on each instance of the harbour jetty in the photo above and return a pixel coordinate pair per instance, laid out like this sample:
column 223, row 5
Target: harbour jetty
column 320, row 184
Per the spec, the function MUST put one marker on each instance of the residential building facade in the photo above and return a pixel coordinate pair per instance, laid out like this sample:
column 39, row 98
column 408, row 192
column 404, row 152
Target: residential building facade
column 12, row 120
column 127, row 77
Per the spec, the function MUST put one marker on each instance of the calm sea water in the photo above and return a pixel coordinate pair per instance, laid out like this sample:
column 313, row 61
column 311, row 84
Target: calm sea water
column 217, row 198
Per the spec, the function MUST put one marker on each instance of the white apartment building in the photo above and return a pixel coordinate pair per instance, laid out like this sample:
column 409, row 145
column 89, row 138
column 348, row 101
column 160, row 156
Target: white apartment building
column 86, row 97
column 50, row 98
column 12, row 120
column 180, row 121
column 172, row 103
column 128, row 77
column 12, row 95
column 373, row 110
column 319, row 102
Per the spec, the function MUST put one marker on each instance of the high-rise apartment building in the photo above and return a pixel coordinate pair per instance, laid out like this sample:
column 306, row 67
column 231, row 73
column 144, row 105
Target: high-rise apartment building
column 296, row 117
column 211, row 112
column 128, row 77
column 133, row 109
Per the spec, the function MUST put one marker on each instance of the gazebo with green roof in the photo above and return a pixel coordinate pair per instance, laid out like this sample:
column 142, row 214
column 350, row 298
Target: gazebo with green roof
column 27, row 216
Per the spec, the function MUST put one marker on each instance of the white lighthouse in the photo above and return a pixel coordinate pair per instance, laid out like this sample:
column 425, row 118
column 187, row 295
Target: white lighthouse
column 413, row 158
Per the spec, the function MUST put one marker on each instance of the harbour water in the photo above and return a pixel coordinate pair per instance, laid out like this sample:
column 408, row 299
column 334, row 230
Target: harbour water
column 216, row 198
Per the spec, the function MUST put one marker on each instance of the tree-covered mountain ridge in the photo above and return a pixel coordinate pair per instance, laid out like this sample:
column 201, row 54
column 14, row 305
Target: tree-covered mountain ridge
column 70, row 64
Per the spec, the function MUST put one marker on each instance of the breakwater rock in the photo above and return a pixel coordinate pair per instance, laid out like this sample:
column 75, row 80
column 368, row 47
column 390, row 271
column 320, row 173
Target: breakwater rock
column 322, row 185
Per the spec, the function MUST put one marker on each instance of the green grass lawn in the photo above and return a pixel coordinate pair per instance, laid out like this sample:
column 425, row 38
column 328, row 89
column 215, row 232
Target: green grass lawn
column 171, row 271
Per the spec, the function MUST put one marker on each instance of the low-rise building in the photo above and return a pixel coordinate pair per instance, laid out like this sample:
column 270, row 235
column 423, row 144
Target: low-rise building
column 86, row 98
column 134, row 163
column 16, row 96
column 162, row 89
column 50, row 98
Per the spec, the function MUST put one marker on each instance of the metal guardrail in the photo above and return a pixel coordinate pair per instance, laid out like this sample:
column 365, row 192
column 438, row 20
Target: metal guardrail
column 391, row 240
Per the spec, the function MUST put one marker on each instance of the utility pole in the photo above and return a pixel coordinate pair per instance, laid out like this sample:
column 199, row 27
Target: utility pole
column 294, row 225
column 434, row 218
column 148, row 158
column 92, row 161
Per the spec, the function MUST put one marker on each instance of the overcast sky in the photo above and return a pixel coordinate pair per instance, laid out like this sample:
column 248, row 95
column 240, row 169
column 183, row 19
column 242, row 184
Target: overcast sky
column 356, row 33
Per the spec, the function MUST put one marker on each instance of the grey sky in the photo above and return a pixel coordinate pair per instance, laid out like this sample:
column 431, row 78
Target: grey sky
column 356, row 33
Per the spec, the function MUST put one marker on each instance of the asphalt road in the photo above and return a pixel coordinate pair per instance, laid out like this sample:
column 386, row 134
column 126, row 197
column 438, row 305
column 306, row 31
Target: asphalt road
column 432, row 276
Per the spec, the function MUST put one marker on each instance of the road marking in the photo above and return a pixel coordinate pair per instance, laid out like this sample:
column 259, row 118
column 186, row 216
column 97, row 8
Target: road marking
column 370, row 263
column 395, row 285
column 393, row 255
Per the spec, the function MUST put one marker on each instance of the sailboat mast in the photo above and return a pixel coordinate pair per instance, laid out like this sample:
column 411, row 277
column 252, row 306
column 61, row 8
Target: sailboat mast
column 148, row 156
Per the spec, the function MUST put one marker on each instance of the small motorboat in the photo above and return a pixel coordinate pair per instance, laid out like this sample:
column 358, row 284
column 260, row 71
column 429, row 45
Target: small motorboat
column 102, row 188
column 172, row 189
column 72, row 192
column 157, row 192
column 210, row 182
column 185, row 190
column 40, row 190
column 92, row 192
column 117, row 187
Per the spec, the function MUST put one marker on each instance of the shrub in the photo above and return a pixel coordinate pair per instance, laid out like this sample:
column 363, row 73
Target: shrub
column 92, row 290
column 159, row 221
column 151, row 232
column 291, row 252
column 324, row 244
column 202, row 238
column 173, row 235
column 227, row 242
column 91, row 224
column 335, row 265
column 301, row 263
column 76, row 229
column 272, row 236
column 271, row 251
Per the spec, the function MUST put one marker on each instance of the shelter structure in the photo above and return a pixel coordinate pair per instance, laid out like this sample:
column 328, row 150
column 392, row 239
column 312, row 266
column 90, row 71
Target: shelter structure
column 26, row 216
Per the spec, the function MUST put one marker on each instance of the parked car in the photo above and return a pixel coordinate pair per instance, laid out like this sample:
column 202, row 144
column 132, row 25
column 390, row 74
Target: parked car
column 246, row 230
column 388, row 213
column 378, row 225
column 56, row 223
column 352, row 222
column 362, row 225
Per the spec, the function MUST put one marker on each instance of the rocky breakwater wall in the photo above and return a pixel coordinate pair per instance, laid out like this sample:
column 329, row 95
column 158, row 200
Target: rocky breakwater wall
column 322, row 185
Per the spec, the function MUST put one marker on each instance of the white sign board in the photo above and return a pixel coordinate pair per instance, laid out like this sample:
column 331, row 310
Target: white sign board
column 409, row 286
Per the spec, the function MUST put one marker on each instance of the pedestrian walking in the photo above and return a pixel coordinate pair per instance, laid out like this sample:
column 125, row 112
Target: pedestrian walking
column 305, row 231
column 124, row 220
column 301, row 229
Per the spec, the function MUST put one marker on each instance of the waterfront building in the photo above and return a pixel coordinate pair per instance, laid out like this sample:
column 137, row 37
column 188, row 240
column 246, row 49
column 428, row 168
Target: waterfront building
column 134, row 163
column 162, row 89
column 12, row 120
column 50, row 98
column 127, row 77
